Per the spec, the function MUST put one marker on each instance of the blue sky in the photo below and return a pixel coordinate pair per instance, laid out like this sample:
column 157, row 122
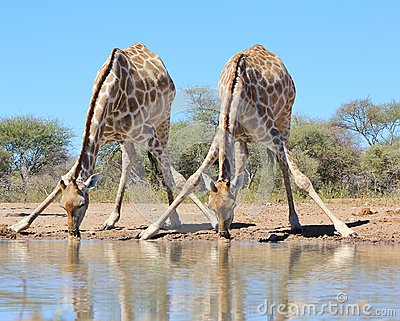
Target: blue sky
column 335, row 50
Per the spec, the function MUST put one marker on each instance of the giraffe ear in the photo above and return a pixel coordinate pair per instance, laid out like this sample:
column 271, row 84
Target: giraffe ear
column 210, row 185
column 62, row 183
column 91, row 182
column 238, row 182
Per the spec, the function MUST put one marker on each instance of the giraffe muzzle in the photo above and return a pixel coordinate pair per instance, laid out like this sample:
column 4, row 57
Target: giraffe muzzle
column 223, row 230
column 74, row 234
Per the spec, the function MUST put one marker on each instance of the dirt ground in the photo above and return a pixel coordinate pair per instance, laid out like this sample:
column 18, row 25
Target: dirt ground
column 374, row 222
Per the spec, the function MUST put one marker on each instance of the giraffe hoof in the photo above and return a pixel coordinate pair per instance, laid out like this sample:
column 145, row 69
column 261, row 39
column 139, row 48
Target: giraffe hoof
column 107, row 227
column 224, row 235
column 20, row 226
column 296, row 230
column 345, row 231
column 149, row 232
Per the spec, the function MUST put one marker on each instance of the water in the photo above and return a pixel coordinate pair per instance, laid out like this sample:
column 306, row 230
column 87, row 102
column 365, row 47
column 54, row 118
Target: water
column 139, row 280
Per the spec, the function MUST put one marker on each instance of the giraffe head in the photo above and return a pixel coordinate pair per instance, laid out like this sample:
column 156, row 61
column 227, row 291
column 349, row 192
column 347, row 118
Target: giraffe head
column 75, row 201
column 222, row 200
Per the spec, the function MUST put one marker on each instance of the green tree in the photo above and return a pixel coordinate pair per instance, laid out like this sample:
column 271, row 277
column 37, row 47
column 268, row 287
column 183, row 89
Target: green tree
column 325, row 154
column 189, row 144
column 381, row 168
column 34, row 143
column 5, row 162
column 204, row 105
column 5, row 166
column 390, row 119
column 377, row 124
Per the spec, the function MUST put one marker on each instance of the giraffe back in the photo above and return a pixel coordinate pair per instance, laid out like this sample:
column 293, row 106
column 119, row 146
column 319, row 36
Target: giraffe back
column 139, row 94
column 266, row 95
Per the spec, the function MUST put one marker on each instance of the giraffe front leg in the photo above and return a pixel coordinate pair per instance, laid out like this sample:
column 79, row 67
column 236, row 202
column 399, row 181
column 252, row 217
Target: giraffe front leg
column 180, row 181
column 128, row 157
column 187, row 189
column 26, row 222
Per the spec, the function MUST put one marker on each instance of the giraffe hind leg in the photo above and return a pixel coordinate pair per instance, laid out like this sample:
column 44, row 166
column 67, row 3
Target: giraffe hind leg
column 304, row 183
column 162, row 131
column 187, row 189
column 295, row 225
column 128, row 157
column 161, row 155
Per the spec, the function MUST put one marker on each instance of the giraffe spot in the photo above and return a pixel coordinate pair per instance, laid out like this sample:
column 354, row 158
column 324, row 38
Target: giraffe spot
column 285, row 92
column 280, row 103
column 276, row 141
column 113, row 91
column 123, row 108
column 132, row 104
column 163, row 138
column 273, row 99
column 147, row 99
column 139, row 84
column 274, row 132
column 163, row 82
column 129, row 86
column 278, row 88
column 153, row 94
column 140, row 96
column 122, row 61
column 126, row 121
column 264, row 99
column 85, row 159
column 271, row 78
column 138, row 59
column 262, row 83
column 123, row 77
column 270, row 90
column 253, row 92
column 269, row 123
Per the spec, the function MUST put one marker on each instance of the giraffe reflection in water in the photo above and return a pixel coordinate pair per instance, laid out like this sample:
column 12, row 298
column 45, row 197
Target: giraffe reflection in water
column 177, row 285
column 138, row 280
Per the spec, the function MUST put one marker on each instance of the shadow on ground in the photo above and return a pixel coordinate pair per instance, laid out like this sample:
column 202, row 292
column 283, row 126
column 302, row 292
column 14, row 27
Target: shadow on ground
column 43, row 214
column 321, row 230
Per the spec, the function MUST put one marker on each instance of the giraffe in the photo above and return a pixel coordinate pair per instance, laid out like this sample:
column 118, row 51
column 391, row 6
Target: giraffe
column 131, row 104
column 257, row 94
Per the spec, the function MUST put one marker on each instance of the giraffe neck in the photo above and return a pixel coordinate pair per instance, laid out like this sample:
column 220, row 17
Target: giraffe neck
column 88, row 155
column 100, row 104
column 228, row 121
